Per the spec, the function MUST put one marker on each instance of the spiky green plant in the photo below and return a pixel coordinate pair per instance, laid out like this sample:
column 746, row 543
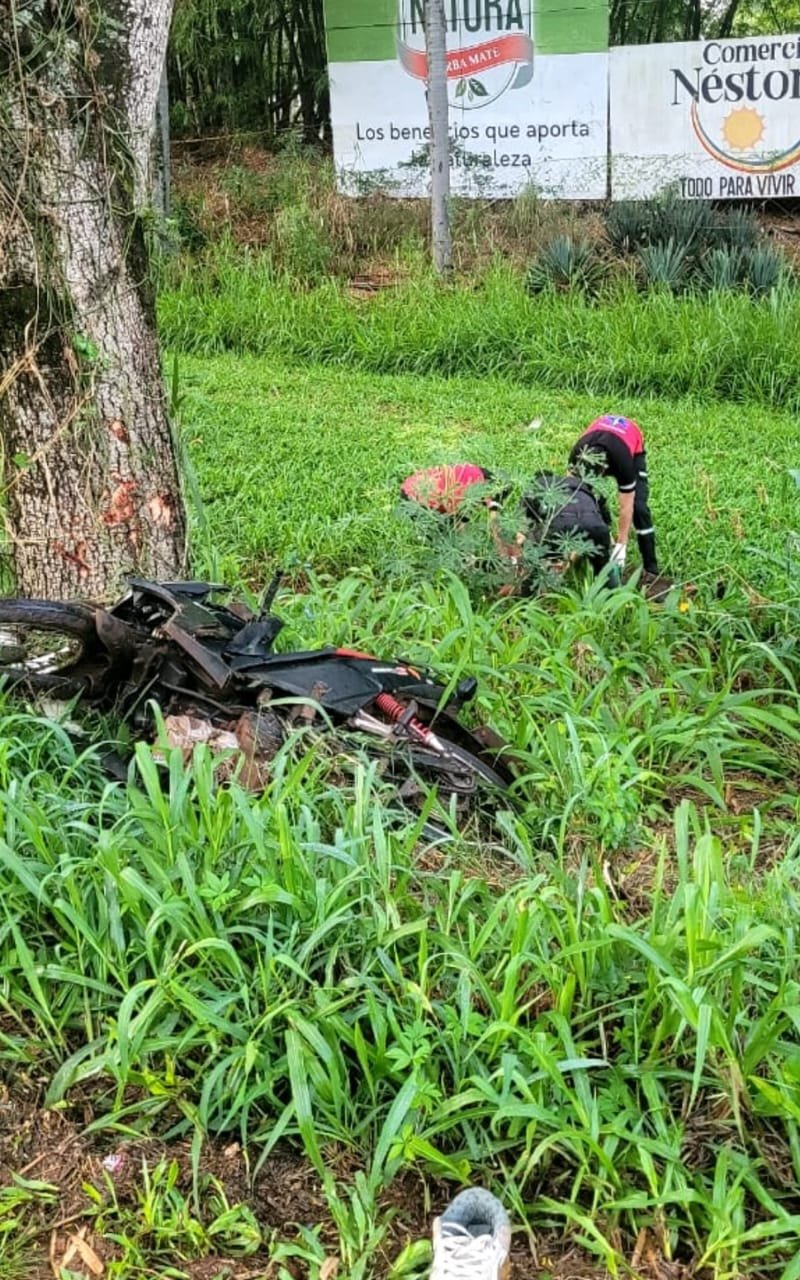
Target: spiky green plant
column 738, row 229
column 628, row 224
column 722, row 268
column 565, row 263
column 763, row 268
column 664, row 264
column 689, row 224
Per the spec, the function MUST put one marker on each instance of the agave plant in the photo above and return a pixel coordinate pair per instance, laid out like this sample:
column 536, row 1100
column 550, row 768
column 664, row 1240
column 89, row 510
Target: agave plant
column 664, row 264
column 628, row 225
column 688, row 223
column 763, row 268
column 722, row 268
column 564, row 263
column 739, row 229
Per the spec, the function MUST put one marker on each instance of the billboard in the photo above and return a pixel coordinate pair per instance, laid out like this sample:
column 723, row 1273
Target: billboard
column 716, row 120
column 528, row 96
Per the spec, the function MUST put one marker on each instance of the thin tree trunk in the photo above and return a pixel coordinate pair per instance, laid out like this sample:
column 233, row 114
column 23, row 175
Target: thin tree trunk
column 728, row 19
column 161, row 156
column 92, row 485
column 436, row 47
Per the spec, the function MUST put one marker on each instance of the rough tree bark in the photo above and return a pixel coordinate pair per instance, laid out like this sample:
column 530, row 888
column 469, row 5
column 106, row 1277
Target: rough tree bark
column 91, row 484
column 438, row 116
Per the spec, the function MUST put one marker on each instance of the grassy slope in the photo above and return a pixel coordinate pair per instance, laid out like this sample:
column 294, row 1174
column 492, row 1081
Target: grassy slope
column 599, row 1020
column 308, row 461
column 715, row 347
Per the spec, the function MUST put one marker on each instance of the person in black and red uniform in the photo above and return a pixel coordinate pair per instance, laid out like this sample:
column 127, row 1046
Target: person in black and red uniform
column 614, row 446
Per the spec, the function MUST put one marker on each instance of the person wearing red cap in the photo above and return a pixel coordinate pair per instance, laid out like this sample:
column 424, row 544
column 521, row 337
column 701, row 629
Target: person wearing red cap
column 614, row 446
column 443, row 488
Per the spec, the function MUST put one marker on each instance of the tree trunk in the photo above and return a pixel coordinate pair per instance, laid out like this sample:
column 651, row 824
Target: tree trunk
column 92, row 489
column 436, row 48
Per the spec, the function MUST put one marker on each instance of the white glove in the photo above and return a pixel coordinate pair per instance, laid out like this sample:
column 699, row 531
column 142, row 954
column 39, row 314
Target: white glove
column 618, row 554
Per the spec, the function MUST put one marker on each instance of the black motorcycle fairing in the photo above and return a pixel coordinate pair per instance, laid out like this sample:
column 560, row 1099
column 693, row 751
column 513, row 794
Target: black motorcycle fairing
column 255, row 640
column 337, row 684
column 341, row 683
column 197, row 590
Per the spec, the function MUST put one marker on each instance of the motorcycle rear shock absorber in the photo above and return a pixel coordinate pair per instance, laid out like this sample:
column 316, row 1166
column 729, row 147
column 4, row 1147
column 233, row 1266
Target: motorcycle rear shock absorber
column 405, row 718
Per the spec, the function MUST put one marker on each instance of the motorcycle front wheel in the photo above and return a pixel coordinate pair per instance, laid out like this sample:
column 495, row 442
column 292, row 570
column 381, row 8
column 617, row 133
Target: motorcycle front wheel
column 44, row 644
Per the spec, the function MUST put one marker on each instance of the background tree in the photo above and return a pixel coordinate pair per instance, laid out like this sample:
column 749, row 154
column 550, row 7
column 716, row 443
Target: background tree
column 235, row 65
column 91, row 481
column 658, row 21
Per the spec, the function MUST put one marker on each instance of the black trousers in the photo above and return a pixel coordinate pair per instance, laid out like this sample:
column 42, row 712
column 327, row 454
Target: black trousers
column 642, row 519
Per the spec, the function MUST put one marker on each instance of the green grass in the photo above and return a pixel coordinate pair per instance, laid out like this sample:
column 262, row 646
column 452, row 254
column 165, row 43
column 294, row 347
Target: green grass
column 290, row 967
column 594, row 1010
column 305, row 464
column 717, row 347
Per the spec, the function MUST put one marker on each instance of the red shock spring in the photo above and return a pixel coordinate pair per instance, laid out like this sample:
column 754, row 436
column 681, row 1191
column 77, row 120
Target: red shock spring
column 395, row 710
column 390, row 706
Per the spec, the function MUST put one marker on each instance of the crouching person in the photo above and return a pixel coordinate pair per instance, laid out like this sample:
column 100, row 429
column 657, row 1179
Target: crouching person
column 564, row 509
column 614, row 446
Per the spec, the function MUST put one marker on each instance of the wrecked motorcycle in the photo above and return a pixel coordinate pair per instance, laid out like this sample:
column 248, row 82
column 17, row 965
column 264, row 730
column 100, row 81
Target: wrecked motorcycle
column 212, row 670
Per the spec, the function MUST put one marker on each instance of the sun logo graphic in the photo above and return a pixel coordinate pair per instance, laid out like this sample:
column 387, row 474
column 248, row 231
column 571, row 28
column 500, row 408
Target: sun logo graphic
column 489, row 47
column 743, row 129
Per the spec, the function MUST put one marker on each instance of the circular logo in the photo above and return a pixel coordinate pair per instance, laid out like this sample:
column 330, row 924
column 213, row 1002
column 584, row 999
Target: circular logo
column 489, row 48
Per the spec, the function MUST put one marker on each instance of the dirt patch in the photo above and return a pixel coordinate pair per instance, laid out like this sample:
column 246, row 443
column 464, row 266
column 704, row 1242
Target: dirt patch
column 63, row 1228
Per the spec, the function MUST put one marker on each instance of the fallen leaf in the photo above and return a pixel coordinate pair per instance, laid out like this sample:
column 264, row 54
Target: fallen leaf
column 329, row 1268
column 79, row 1246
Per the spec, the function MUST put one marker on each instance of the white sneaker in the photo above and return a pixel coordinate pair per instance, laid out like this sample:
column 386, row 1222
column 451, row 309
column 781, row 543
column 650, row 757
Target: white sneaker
column 472, row 1239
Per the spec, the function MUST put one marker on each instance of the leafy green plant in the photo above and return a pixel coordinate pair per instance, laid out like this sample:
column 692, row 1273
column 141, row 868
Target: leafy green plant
column 20, row 1200
column 294, row 967
column 664, row 264
column 164, row 1225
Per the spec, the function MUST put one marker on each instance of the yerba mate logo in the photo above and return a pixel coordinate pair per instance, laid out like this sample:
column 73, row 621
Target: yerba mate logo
column 489, row 47
column 744, row 102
